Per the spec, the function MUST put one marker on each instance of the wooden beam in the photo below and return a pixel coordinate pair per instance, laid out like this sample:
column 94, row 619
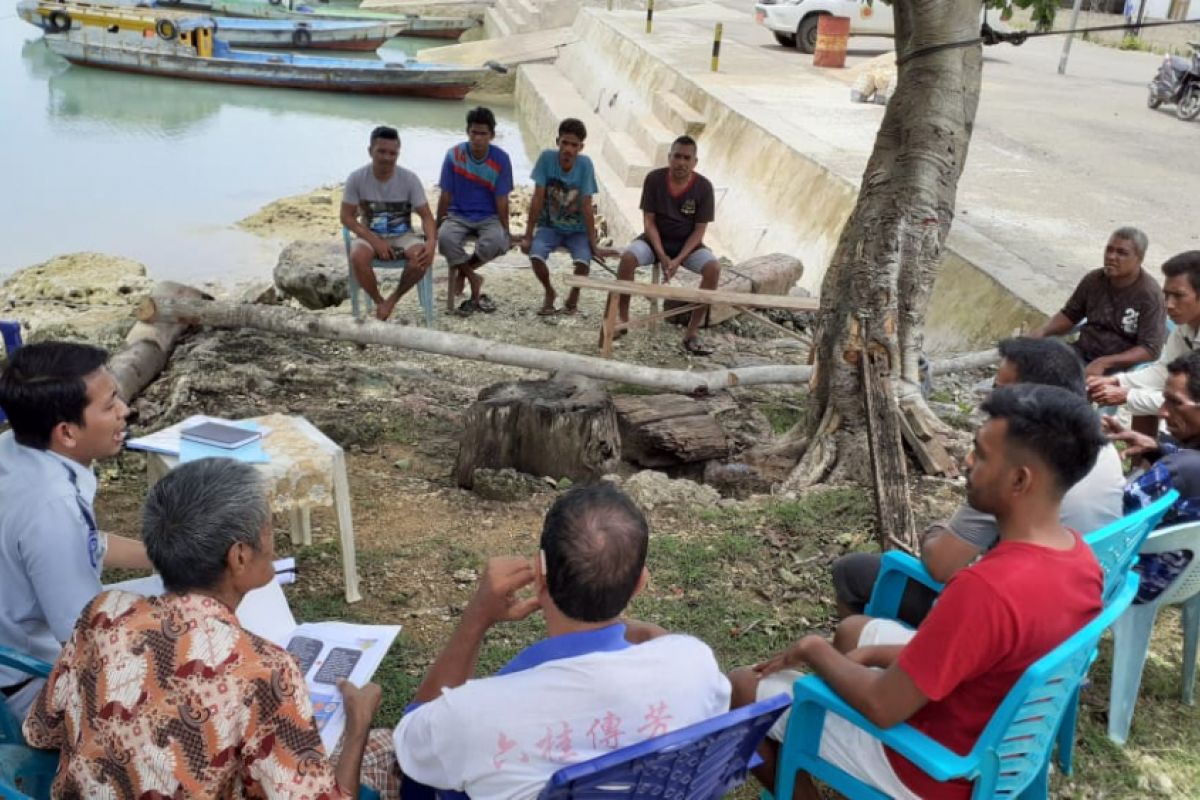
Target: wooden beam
column 888, row 469
column 705, row 296
column 345, row 328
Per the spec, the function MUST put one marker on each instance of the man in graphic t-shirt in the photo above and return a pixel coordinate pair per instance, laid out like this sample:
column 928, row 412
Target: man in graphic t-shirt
column 1123, row 306
column 561, row 211
column 377, row 207
column 677, row 205
column 476, row 182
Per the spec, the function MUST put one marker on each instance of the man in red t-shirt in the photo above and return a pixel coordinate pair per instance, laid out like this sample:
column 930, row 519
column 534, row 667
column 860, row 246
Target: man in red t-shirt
column 1027, row 595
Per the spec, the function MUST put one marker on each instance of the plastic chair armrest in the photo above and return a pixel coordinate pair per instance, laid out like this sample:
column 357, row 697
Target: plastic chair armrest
column 896, row 569
column 28, row 664
column 936, row 760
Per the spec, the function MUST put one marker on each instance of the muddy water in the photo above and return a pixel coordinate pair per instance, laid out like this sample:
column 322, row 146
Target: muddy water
column 159, row 170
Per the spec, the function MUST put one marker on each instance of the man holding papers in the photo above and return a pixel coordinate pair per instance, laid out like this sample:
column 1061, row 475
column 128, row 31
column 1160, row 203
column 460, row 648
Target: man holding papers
column 170, row 696
column 65, row 413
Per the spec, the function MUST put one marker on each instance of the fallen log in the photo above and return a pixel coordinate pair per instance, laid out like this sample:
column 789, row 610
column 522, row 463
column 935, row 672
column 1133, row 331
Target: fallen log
column 346, row 328
column 148, row 346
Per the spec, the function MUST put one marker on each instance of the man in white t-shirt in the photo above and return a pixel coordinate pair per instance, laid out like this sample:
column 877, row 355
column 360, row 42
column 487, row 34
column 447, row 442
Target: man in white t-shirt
column 596, row 683
column 377, row 207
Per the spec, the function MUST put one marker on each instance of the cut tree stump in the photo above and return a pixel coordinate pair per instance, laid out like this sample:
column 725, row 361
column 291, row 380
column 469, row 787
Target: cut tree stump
column 664, row 430
column 565, row 427
column 774, row 273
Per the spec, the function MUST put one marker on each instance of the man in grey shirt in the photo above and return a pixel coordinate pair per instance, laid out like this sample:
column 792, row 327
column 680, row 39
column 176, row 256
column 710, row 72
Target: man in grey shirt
column 947, row 547
column 377, row 207
column 65, row 413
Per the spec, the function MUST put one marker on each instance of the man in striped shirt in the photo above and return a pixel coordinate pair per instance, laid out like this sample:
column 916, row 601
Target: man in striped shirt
column 475, row 183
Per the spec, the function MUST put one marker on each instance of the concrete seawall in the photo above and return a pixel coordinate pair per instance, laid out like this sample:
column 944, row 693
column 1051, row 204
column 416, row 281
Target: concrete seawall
column 779, row 187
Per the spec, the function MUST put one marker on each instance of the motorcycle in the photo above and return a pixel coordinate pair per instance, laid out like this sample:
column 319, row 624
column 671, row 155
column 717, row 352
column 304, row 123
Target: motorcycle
column 1178, row 82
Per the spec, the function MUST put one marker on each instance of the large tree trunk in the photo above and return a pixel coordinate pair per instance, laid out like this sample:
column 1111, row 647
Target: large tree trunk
column 875, row 293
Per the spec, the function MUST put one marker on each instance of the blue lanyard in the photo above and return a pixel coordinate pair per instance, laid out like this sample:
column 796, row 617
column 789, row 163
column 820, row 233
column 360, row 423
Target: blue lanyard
column 93, row 539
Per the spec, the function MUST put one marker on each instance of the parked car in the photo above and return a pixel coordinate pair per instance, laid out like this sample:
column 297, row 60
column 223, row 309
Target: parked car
column 794, row 22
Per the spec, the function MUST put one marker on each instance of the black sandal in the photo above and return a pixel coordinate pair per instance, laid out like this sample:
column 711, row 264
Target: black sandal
column 485, row 304
column 697, row 347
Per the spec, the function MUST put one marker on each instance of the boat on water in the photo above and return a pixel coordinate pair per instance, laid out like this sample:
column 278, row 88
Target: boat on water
column 186, row 48
column 56, row 16
column 413, row 24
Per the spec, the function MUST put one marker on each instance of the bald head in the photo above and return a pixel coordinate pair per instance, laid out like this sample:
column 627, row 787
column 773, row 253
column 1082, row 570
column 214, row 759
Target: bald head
column 595, row 540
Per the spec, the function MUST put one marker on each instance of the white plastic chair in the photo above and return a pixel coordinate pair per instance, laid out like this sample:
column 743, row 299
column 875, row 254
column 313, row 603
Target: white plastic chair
column 1131, row 633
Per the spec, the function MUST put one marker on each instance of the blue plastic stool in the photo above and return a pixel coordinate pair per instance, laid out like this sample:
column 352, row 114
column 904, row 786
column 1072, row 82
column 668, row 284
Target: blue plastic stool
column 1131, row 633
column 424, row 286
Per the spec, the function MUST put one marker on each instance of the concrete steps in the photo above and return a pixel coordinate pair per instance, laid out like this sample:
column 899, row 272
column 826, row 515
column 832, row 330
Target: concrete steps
column 626, row 158
column 495, row 24
column 654, row 139
column 676, row 114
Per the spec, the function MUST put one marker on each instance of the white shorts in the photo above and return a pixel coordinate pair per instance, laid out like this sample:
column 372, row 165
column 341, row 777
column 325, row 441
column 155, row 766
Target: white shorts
column 844, row 745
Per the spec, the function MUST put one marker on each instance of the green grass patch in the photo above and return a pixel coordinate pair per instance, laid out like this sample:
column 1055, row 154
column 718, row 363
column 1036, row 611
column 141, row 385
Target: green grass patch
column 783, row 416
column 837, row 510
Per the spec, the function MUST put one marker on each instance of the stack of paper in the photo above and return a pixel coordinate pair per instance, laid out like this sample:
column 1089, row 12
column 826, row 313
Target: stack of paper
column 168, row 442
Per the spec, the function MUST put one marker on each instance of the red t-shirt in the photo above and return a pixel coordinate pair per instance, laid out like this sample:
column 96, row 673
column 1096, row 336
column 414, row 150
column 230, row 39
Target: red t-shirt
column 992, row 621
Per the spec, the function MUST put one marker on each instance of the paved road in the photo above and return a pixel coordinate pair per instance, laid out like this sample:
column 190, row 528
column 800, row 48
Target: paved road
column 1056, row 162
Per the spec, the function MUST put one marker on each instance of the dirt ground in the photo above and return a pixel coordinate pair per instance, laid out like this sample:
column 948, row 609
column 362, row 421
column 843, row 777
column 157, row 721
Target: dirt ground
column 747, row 576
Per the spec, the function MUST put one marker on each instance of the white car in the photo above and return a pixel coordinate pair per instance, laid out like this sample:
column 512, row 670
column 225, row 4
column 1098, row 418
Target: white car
column 794, row 22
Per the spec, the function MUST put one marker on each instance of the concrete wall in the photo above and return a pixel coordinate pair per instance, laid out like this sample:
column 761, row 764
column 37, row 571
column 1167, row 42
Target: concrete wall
column 771, row 196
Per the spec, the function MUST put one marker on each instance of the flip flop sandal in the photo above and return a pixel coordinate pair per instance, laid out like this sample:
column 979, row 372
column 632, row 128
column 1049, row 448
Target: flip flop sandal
column 696, row 347
column 485, row 304
column 569, row 311
column 548, row 311
column 466, row 308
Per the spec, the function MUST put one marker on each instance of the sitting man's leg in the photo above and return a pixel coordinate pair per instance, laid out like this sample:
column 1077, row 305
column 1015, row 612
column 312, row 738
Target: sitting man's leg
column 491, row 241
column 452, row 237
column 415, row 266
column 637, row 254
column 361, row 256
column 581, row 256
column 705, row 264
column 545, row 241
column 854, row 577
column 842, row 744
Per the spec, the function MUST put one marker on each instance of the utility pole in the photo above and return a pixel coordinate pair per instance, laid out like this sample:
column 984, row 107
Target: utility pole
column 1066, row 51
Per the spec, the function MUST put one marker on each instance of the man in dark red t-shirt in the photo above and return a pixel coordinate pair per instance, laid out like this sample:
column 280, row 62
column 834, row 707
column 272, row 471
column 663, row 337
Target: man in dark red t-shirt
column 677, row 205
column 1026, row 596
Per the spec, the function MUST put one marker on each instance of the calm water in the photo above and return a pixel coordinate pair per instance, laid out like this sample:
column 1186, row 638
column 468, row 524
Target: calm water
column 158, row 170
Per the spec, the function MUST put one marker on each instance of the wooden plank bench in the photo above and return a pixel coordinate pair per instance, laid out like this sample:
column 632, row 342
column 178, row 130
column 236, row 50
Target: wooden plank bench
column 745, row 302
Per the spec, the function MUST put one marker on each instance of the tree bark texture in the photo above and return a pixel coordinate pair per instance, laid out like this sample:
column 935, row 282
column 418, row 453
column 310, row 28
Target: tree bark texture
column 346, row 328
column 566, row 427
column 148, row 346
column 882, row 272
column 666, row 430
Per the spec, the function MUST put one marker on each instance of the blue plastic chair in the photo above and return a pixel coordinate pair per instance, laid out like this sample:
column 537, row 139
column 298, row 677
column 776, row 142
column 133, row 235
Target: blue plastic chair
column 10, row 332
column 424, row 286
column 24, row 771
column 1009, row 760
column 699, row 762
column 1131, row 633
column 1116, row 547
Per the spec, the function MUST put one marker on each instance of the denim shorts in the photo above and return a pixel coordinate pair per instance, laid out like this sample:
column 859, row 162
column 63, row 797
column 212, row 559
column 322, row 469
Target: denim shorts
column 695, row 261
column 547, row 239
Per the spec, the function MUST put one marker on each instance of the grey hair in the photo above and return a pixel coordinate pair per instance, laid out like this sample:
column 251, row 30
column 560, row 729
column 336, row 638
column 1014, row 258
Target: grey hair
column 196, row 513
column 1134, row 236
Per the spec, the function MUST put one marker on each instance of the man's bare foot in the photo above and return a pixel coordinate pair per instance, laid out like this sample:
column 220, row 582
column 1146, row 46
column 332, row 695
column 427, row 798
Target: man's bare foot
column 548, row 309
column 384, row 310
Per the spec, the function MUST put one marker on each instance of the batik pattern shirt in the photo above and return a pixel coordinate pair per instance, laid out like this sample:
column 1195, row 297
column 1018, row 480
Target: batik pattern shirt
column 1159, row 570
column 170, row 697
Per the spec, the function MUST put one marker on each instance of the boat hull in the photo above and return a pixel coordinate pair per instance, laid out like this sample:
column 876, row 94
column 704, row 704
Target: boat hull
column 432, row 83
column 366, row 38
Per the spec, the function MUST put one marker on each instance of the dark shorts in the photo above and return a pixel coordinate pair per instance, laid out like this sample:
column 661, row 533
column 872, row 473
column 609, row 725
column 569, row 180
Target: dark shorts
column 854, row 577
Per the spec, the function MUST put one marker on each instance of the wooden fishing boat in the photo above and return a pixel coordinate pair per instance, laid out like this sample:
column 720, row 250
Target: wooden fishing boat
column 411, row 24
column 55, row 16
column 186, row 48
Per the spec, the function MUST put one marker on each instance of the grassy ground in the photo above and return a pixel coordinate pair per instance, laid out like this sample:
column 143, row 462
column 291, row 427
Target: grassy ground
column 747, row 580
